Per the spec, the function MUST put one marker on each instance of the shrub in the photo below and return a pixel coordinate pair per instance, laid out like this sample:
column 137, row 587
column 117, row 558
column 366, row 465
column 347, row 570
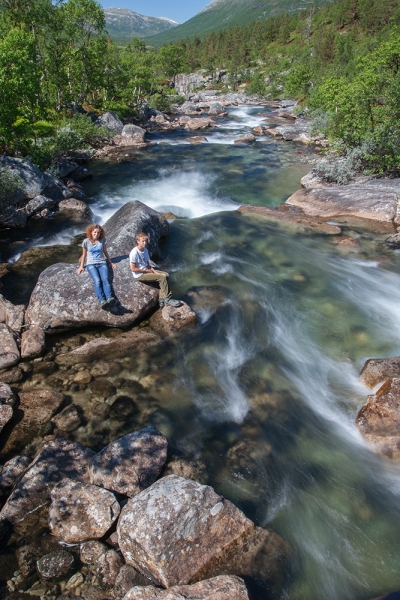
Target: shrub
column 9, row 182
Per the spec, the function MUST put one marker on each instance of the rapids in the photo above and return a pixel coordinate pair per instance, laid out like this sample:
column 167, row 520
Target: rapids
column 266, row 390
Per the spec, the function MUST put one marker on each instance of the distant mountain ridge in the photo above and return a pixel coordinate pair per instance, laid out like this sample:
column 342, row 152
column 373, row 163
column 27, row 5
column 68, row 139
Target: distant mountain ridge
column 122, row 24
column 220, row 14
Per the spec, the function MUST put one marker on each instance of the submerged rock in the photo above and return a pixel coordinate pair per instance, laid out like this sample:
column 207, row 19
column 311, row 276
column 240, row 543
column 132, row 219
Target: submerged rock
column 248, row 138
column 379, row 420
column 224, row 587
column 179, row 531
column 295, row 220
column 55, row 461
column 81, row 512
column 35, row 409
column 11, row 471
column 131, row 463
column 369, row 206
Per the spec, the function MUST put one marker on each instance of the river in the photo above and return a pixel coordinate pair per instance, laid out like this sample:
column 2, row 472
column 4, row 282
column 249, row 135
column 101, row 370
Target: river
column 265, row 391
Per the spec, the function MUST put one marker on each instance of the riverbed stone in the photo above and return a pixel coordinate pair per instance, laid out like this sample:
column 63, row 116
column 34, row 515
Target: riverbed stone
column 33, row 342
column 91, row 551
column 294, row 220
column 75, row 209
column 67, row 420
column 366, row 205
column 377, row 370
column 224, row 587
column 106, row 569
column 55, row 461
column 131, row 463
column 131, row 135
column 216, row 108
column 11, row 315
column 128, row 578
column 247, row 138
column 178, row 529
column 35, row 409
column 170, row 320
column 12, row 470
column 189, row 108
column 81, row 512
column 54, row 565
column 9, row 353
column 6, row 413
column 38, row 203
column 7, row 396
column 379, row 420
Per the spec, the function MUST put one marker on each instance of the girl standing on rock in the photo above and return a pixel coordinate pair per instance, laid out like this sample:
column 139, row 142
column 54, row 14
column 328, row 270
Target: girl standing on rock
column 96, row 256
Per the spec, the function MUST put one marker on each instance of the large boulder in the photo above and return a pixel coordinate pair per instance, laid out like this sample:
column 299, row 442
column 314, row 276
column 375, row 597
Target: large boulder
column 131, row 463
column 122, row 227
column 179, row 531
column 62, row 299
column 189, row 108
column 75, row 209
column 217, row 109
column 379, row 419
column 224, row 587
column 294, row 220
column 81, row 512
column 367, row 206
column 111, row 121
column 248, row 138
column 131, row 135
column 56, row 460
column 200, row 123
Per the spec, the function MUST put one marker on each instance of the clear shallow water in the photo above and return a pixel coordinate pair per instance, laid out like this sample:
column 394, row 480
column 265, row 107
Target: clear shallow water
column 265, row 391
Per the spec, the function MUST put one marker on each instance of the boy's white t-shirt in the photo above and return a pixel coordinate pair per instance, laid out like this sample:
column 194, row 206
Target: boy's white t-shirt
column 141, row 260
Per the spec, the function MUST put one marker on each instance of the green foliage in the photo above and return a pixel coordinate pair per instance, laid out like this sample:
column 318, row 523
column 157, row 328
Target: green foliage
column 160, row 102
column 172, row 60
column 257, row 85
column 9, row 183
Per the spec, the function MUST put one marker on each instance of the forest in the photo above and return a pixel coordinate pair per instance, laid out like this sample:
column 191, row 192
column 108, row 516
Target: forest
column 340, row 60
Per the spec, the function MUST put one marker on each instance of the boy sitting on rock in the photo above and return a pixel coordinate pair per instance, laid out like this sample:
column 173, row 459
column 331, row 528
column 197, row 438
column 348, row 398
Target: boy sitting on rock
column 141, row 270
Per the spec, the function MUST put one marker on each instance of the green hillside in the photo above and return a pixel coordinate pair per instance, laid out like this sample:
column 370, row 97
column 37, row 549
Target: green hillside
column 222, row 14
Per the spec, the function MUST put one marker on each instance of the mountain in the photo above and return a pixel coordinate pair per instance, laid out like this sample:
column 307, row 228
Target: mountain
column 122, row 24
column 220, row 14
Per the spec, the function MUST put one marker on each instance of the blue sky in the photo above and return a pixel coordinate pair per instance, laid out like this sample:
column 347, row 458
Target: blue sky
column 178, row 10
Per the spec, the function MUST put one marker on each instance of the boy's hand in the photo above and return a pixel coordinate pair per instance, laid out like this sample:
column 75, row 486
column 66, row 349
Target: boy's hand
column 80, row 270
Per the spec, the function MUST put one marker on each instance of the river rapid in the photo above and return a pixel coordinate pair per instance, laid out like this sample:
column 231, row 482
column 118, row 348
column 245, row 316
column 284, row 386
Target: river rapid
column 265, row 391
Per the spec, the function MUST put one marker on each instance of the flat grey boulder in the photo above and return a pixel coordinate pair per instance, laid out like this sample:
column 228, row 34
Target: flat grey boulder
column 377, row 370
column 111, row 121
column 131, row 463
column 81, row 512
column 33, row 342
column 224, row 587
column 56, row 460
column 63, row 300
column 175, row 530
column 354, row 205
column 9, row 352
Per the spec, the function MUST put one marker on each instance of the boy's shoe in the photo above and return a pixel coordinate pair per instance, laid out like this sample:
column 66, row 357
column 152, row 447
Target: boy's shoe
column 103, row 303
column 109, row 302
column 172, row 302
column 161, row 302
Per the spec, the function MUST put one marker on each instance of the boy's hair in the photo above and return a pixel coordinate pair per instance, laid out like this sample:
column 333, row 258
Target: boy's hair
column 91, row 228
column 141, row 234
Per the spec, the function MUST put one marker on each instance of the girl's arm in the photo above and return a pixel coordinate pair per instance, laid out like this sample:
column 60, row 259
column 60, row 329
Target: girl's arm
column 108, row 257
column 82, row 261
